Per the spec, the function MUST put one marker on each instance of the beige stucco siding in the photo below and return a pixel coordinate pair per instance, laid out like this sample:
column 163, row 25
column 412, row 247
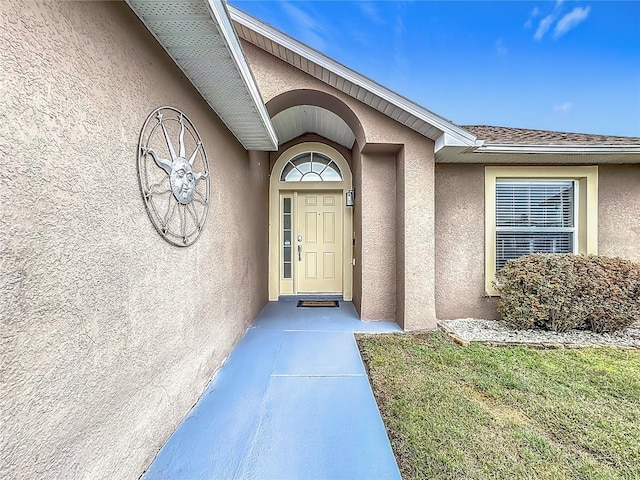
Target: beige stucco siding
column 460, row 232
column 400, row 239
column 357, row 230
column 460, row 243
column 108, row 334
column 378, row 258
column 619, row 211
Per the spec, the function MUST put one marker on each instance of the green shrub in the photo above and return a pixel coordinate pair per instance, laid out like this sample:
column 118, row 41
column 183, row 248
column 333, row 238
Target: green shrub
column 562, row 292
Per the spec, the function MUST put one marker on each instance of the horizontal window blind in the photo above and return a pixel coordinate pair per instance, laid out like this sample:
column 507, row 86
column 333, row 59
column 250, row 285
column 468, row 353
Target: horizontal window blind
column 534, row 204
column 510, row 245
column 534, row 216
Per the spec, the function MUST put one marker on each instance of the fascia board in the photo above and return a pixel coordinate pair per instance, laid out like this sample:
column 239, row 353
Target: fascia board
column 568, row 149
column 445, row 140
column 460, row 154
column 351, row 76
column 221, row 15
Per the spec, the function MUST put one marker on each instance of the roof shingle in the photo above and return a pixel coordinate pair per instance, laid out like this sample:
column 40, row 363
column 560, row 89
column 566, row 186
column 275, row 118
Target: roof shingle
column 523, row 136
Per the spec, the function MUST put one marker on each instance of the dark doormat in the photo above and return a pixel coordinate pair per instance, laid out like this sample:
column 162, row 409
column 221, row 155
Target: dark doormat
column 318, row 303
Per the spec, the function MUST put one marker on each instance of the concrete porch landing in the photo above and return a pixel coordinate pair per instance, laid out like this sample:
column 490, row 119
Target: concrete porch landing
column 291, row 402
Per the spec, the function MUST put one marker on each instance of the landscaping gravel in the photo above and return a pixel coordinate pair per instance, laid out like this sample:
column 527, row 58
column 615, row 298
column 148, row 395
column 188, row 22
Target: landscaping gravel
column 494, row 332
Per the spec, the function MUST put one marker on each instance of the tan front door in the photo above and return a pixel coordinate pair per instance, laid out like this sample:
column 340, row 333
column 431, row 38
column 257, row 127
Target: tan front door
column 318, row 239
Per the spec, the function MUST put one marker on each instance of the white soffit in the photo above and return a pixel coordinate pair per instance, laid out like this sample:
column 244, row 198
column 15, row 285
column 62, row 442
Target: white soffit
column 346, row 80
column 199, row 37
column 301, row 119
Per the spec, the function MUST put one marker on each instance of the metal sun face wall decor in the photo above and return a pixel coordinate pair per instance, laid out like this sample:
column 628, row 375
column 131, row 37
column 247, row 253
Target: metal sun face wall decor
column 174, row 176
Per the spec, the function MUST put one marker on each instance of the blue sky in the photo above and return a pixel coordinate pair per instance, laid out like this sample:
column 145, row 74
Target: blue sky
column 565, row 65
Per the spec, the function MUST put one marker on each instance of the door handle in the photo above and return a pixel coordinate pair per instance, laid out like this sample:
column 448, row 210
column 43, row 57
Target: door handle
column 299, row 252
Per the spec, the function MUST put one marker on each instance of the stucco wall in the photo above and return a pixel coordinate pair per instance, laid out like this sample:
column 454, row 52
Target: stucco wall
column 418, row 228
column 400, row 239
column 357, row 228
column 460, row 232
column 377, row 200
column 108, row 334
column 460, row 243
column 619, row 211
column 415, row 302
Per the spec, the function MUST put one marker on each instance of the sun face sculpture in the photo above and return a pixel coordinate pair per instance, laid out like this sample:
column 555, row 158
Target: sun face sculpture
column 174, row 183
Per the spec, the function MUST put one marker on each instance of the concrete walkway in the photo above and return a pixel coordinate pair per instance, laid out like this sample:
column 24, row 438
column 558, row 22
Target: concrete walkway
column 292, row 402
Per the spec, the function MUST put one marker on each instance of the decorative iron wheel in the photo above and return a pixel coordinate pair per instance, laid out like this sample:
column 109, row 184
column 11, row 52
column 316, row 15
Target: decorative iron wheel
column 174, row 176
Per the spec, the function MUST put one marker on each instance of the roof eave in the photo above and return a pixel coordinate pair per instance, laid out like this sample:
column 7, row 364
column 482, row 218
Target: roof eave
column 556, row 149
column 441, row 124
column 538, row 154
column 260, row 134
column 221, row 14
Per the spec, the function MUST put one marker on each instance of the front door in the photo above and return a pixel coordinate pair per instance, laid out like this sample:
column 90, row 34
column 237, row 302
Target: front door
column 318, row 239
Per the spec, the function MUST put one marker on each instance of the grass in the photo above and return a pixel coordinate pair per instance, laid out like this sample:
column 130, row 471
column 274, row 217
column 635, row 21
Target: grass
column 478, row 412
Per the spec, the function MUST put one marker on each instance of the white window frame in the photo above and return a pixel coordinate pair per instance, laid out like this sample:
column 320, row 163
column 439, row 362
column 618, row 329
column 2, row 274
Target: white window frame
column 585, row 207
column 515, row 230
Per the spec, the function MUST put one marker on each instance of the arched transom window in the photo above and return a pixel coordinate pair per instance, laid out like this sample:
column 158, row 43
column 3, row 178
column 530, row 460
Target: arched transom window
column 311, row 167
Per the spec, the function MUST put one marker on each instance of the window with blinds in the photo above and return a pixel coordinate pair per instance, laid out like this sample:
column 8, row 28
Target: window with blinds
column 534, row 216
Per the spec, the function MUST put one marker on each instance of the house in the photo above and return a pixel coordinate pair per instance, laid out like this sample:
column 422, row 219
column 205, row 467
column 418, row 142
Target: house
column 168, row 167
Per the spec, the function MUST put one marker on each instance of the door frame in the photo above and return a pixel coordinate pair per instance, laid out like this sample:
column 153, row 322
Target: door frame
column 276, row 190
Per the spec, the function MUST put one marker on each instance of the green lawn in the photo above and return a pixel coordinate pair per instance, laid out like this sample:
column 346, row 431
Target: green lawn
column 480, row 412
